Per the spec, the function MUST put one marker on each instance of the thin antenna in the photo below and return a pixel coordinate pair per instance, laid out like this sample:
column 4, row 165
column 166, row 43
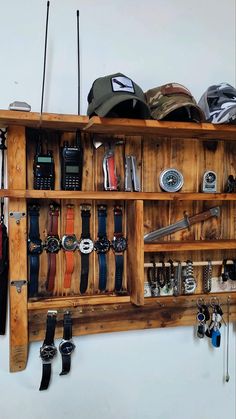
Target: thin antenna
column 78, row 54
column 45, row 57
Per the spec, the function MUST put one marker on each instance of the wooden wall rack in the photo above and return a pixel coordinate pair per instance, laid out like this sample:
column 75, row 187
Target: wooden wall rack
column 192, row 148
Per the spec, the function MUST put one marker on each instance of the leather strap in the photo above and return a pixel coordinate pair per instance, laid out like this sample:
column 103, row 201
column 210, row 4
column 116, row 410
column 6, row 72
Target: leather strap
column 4, row 266
column 69, row 255
column 52, row 231
column 119, row 258
column 102, row 232
column 85, row 215
column 67, row 335
column 49, row 340
column 33, row 257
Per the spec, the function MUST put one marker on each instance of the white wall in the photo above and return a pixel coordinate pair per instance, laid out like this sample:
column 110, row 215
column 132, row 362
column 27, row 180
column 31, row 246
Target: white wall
column 165, row 373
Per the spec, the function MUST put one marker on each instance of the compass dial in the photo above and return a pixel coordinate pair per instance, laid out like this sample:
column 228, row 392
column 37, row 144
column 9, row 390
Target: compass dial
column 171, row 180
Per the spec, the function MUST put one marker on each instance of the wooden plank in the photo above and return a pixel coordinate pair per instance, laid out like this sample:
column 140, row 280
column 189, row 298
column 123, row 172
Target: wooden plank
column 160, row 128
column 135, row 254
column 17, row 251
column 48, row 120
column 176, row 246
column 157, row 312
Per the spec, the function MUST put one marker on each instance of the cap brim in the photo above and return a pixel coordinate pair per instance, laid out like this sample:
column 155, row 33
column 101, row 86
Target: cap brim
column 160, row 113
column 115, row 99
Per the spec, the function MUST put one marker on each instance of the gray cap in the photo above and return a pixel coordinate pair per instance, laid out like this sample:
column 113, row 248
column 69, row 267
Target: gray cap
column 117, row 89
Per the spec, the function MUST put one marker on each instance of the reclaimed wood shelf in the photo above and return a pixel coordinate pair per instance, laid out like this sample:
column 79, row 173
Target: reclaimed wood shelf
column 156, row 145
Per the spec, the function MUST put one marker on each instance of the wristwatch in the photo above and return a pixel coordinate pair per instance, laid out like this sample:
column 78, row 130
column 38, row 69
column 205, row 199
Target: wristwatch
column 102, row 246
column 119, row 245
column 52, row 245
column 85, row 246
column 48, row 350
column 66, row 346
column 69, row 244
column 35, row 248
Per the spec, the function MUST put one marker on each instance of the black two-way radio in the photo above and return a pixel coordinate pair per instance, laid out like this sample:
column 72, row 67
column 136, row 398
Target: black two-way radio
column 72, row 155
column 43, row 167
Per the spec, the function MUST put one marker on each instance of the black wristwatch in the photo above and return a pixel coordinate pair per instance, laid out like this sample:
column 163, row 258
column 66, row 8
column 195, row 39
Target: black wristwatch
column 119, row 245
column 35, row 248
column 85, row 246
column 66, row 346
column 48, row 350
column 102, row 246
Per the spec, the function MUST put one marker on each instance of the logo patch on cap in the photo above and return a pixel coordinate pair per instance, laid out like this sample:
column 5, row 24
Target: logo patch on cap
column 122, row 84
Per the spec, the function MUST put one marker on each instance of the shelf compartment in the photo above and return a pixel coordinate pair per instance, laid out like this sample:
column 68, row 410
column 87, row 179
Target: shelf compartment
column 175, row 246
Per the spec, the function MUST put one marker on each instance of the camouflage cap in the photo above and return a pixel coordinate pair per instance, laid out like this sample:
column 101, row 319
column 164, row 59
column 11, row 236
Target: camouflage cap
column 110, row 91
column 173, row 101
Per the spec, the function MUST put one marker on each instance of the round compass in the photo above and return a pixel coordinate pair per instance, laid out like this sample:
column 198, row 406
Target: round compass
column 171, row 180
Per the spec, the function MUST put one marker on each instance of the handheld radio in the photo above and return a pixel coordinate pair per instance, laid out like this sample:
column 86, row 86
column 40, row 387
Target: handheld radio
column 43, row 169
column 72, row 165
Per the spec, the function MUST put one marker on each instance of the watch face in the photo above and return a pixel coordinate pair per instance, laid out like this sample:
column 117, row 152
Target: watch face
column 102, row 245
column 52, row 244
column 35, row 247
column 171, row 180
column 86, row 246
column 210, row 177
column 66, row 347
column 69, row 242
column 119, row 244
column 47, row 352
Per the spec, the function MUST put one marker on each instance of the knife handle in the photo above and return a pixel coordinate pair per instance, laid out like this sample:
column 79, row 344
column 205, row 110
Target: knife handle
column 202, row 216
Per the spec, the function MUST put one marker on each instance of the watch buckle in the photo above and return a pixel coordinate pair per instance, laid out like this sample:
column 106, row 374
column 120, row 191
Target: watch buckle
column 52, row 312
column 85, row 207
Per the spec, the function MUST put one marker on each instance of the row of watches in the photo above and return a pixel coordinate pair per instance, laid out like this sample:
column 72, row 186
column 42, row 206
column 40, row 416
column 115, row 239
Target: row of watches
column 48, row 350
column 70, row 244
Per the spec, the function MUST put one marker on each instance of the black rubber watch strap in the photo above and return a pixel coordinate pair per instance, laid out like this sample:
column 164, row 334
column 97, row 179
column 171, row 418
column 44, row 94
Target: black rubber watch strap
column 67, row 329
column 84, row 272
column 45, row 376
column 119, row 261
column 85, row 215
column 50, row 330
column 66, row 363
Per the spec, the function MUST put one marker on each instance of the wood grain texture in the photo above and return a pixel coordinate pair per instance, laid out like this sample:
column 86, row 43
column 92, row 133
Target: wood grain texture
column 17, row 250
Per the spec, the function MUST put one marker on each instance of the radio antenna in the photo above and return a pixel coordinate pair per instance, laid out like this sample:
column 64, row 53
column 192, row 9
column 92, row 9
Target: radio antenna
column 44, row 61
column 78, row 55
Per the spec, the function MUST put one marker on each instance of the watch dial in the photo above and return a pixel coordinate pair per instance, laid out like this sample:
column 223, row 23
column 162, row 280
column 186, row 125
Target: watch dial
column 52, row 244
column 210, row 177
column 119, row 244
column 47, row 352
column 69, row 242
column 66, row 347
column 102, row 245
column 86, row 246
column 35, row 247
column 171, row 180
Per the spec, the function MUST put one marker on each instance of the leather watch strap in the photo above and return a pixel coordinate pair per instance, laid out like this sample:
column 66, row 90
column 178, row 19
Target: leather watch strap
column 119, row 257
column 102, row 259
column 34, row 241
column 69, row 255
column 52, row 231
column 66, row 346
column 85, row 215
column 48, row 342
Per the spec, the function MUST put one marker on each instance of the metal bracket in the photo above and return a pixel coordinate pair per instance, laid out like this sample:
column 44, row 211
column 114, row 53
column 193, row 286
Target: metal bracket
column 17, row 215
column 18, row 284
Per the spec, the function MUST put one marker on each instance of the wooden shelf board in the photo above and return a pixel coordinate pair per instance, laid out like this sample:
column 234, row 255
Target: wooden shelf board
column 109, row 195
column 160, row 128
column 76, row 301
column 168, row 246
column 49, row 120
column 118, row 125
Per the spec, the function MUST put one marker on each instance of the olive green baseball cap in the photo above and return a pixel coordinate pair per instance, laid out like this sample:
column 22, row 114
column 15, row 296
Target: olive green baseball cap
column 117, row 95
column 173, row 101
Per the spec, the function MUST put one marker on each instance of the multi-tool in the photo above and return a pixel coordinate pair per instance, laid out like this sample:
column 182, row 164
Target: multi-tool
column 109, row 171
column 132, row 181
